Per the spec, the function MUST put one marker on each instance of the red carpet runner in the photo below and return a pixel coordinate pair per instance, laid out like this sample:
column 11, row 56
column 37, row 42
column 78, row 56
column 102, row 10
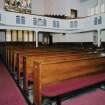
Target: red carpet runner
column 92, row 98
column 9, row 92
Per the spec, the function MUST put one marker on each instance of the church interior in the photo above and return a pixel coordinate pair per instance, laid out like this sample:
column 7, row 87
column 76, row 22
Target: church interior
column 52, row 52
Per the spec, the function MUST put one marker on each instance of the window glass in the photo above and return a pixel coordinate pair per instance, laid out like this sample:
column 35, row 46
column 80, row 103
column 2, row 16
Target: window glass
column 44, row 22
column 95, row 21
column 57, row 24
column 17, row 19
column 34, row 21
column 71, row 24
column 54, row 23
column 100, row 20
column 22, row 20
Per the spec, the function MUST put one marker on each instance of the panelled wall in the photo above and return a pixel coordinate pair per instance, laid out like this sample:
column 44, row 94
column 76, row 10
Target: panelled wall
column 29, row 36
column 17, row 36
column 80, row 37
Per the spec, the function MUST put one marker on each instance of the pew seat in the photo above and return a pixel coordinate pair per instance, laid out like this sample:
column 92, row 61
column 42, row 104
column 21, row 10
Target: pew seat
column 54, row 90
column 72, row 85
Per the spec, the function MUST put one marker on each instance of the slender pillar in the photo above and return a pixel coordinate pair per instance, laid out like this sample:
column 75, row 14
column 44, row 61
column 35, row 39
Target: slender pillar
column 37, row 39
column 99, row 38
column 99, row 2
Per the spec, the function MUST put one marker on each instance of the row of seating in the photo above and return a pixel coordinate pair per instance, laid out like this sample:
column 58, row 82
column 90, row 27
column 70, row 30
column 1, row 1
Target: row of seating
column 53, row 72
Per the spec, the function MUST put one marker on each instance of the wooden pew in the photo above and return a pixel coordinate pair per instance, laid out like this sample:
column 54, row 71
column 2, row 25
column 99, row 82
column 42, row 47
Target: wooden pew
column 12, row 50
column 47, row 75
column 18, row 46
column 21, row 54
column 18, row 55
column 13, row 57
column 33, row 53
column 51, row 57
column 6, row 46
column 13, row 54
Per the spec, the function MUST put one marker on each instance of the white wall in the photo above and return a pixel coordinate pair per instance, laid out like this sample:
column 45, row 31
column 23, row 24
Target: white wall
column 1, row 4
column 80, row 37
column 38, row 7
column 57, row 7
column 103, row 36
column 60, row 7
column 85, row 5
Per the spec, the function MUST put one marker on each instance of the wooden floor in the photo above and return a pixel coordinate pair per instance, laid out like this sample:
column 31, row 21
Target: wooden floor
column 9, row 92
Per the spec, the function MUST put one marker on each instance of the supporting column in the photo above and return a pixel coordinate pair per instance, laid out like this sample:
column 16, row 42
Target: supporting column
column 37, row 39
column 99, row 38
